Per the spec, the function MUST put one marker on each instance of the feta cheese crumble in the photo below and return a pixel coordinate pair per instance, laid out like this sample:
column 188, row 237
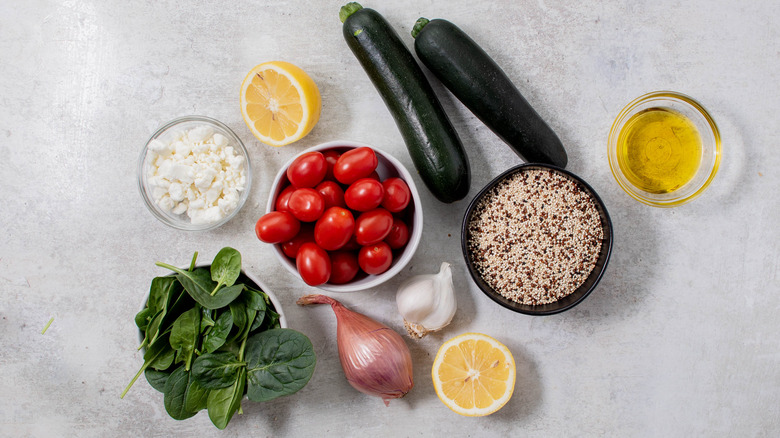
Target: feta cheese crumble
column 197, row 172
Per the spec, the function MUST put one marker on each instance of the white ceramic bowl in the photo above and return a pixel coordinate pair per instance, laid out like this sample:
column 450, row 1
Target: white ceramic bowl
column 387, row 167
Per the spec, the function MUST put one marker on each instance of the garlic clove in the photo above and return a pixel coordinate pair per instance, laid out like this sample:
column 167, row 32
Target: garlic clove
column 427, row 302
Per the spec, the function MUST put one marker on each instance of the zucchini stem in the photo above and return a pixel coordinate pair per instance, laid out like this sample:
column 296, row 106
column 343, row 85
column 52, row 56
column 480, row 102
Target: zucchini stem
column 349, row 9
column 418, row 25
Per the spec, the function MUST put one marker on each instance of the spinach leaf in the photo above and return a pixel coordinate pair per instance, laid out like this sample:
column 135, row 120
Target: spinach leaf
column 156, row 378
column 199, row 286
column 238, row 311
column 223, row 403
column 143, row 318
column 175, row 393
column 206, row 318
column 164, row 360
column 226, row 267
column 279, row 362
column 216, row 370
column 152, row 353
column 196, row 398
column 184, row 335
column 160, row 292
column 219, row 333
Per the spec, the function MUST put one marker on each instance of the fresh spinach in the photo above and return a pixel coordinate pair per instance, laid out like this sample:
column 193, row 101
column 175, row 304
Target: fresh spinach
column 217, row 336
column 156, row 378
column 216, row 370
column 184, row 336
column 175, row 393
column 279, row 362
column 199, row 285
column 225, row 268
column 223, row 403
column 196, row 398
column 211, row 337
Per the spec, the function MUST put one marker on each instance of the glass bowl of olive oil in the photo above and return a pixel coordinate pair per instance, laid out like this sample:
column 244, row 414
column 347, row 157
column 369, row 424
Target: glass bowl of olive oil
column 664, row 149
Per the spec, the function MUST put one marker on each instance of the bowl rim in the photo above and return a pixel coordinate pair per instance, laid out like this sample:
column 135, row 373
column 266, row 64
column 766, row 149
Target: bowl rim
column 569, row 301
column 414, row 238
column 152, row 206
column 618, row 124
column 259, row 283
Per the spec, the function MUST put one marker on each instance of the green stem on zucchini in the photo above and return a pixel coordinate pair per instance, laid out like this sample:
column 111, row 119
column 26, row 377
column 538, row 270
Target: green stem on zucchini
column 349, row 9
column 418, row 25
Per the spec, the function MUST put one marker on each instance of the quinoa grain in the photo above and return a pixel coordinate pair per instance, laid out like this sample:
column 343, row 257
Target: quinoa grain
column 535, row 237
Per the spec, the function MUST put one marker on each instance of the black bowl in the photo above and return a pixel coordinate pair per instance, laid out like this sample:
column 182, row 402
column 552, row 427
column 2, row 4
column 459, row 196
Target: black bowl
column 585, row 288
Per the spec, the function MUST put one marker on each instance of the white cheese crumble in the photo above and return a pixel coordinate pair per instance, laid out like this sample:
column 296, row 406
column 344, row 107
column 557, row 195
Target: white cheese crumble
column 196, row 172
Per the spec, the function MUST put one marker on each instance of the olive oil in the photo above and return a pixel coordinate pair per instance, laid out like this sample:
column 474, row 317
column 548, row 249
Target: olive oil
column 659, row 150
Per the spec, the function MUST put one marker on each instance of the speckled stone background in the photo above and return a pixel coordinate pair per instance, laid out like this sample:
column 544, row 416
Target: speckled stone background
column 680, row 338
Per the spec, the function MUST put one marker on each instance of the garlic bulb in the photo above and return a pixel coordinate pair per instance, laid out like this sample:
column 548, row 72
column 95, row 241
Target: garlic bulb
column 427, row 302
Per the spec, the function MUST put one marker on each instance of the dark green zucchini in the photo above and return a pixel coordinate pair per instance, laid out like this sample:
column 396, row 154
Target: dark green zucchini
column 480, row 84
column 431, row 139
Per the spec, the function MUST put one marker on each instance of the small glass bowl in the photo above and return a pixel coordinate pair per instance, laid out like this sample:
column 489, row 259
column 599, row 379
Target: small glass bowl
column 182, row 221
column 710, row 143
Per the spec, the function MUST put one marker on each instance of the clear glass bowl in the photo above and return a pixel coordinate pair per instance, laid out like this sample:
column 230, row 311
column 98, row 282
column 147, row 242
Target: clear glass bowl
column 710, row 144
column 182, row 221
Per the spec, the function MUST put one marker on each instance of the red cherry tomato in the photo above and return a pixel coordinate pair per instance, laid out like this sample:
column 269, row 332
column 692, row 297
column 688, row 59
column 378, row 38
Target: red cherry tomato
column 374, row 175
column 277, row 226
column 373, row 226
column 313, row 264
column 352, row 245
column 330, row 157
column 397, row 195
column 355, row 164
column 332, row 194
column 307, row 170
column 334, row 228
column 344, row 267
column 375, row 259
column 306, row 204
column 291, row 247
column 399, row 234
column 364, row 194
column 283, row 199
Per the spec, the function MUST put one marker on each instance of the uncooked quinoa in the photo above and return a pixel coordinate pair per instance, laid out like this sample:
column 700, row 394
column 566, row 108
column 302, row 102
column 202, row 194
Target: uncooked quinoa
column 535, row 237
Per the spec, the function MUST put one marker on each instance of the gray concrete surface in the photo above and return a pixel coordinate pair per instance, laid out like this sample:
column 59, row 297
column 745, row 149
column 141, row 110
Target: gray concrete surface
column 680, row 338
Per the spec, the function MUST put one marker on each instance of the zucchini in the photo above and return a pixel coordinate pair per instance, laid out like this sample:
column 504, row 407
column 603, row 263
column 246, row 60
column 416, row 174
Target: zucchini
column 480, row 84
column 431, row 139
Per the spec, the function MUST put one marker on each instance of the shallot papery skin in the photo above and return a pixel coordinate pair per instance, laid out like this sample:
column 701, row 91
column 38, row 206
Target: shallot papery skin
column 375, row 359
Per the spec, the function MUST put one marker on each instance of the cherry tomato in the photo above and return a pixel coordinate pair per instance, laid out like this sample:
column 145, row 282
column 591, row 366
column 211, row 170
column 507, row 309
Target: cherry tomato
column 291, row 247
column 283, row 199
column 307, row 170
column 374, row 175
column 344, row 267
column 355, row 164
column 330, row 157
column 332, row 194
column 306, row 204
column 334, row 228
column 352, row 245
column 375, row 259
column 364, row 194
column 313, row 264
column 399, row 234
column 373, row 226
column 276, row 227
column 397, row 195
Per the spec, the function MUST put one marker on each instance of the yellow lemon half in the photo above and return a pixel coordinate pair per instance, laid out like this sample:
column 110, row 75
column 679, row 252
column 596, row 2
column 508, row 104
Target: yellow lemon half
column 280, row 103
column 474, row 374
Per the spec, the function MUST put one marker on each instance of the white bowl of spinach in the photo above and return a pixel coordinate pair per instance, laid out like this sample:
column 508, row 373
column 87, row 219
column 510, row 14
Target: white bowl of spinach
column 212, row 336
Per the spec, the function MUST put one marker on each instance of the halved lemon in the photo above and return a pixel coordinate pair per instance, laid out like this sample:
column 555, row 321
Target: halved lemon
column 474, row 374
column 280, row 102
